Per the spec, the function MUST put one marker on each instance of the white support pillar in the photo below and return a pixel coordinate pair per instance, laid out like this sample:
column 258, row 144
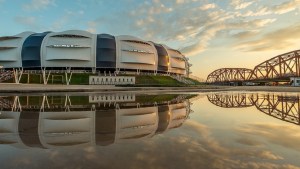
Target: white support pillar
column 16, row 105
column 67, row 103
column 93, row 108
column 45, row 100
column 68, row 79
column 18, row 74
column 117, row 71
column 28, row 77
column 117, row 106
column 45, row 75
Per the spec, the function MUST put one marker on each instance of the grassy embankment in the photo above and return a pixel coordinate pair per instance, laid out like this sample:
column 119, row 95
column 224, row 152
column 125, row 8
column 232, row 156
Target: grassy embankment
column 83, row 79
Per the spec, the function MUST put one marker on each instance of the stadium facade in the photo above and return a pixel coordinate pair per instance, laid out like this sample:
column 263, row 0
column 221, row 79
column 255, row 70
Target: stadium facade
column 76, row 50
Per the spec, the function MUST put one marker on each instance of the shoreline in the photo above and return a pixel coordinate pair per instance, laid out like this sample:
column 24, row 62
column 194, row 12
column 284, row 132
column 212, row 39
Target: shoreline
column 39, row 88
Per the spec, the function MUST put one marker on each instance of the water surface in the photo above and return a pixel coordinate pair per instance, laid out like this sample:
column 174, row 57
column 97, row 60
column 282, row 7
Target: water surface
column 127, row 130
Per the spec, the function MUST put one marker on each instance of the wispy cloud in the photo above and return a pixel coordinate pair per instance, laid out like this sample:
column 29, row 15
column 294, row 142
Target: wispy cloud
column 277, row 40
column 208, row 6
column 239, row 4
column 69, row 18
column 246, row 34
column 92, row 27
column 285, row 136
column 286, row 6
column 38, row 5
column 27, row 21
column 281, row 8
column 192, row 25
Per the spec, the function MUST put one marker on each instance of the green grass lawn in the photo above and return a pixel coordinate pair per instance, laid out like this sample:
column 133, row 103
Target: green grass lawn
column 77, row 79
column 83, row 79
column 157, row 81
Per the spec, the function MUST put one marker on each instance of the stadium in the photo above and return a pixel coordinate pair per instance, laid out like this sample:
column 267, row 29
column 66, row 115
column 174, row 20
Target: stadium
column 76, row 51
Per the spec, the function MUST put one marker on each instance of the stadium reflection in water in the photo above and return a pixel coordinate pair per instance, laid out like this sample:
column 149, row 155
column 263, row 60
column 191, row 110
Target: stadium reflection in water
column 53, row 121
column 127, row 130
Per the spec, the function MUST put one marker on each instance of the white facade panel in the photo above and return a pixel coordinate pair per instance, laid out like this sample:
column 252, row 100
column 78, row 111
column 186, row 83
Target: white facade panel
column 9, row 128
column 58, row 129
column 69, row 49
column 137, row 58
column 10, row 50
column 136, row 123
column 178, row 114
column 82, row 54
column 134, row 53
column 177, row 61
column 10, row 41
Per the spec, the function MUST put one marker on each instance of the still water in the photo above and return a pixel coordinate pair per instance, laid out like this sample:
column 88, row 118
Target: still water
column 127, row 130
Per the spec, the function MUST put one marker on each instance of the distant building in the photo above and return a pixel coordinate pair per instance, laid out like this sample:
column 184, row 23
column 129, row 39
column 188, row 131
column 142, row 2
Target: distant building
column 295, row 81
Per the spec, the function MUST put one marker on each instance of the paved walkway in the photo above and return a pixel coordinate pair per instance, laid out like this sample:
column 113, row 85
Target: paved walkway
column 28, row 88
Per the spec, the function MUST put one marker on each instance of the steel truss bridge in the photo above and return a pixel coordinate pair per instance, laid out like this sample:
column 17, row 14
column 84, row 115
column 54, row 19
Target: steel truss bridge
column 280, row 106
column 229, row 75
column 278, row 68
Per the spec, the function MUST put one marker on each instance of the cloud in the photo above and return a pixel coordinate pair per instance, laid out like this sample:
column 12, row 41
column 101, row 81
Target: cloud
column 286, row 7
column 70, row 18
column 246, row 34
column 249, row 142
column 38, row 5
column 190, row 25
column 193, row 28
column 92, row 27
column 203, row 43
column 279, row 9
column 208, row 6
column 194, row 145
column 238, row 4
column 286, row 136
column 270, row 155
column 27, row 21
column 261, row 11
column 277, row 40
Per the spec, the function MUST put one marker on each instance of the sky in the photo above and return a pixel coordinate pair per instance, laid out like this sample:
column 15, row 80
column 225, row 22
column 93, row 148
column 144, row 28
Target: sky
column 212, row 33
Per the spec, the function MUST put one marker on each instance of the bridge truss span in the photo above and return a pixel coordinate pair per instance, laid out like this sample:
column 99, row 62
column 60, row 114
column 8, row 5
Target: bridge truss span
column 280, row 67
column 229, row 75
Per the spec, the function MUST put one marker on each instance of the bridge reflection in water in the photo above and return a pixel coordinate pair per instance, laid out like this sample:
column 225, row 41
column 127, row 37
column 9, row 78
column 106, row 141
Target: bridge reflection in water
column 280, row 106
column 53, row 121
